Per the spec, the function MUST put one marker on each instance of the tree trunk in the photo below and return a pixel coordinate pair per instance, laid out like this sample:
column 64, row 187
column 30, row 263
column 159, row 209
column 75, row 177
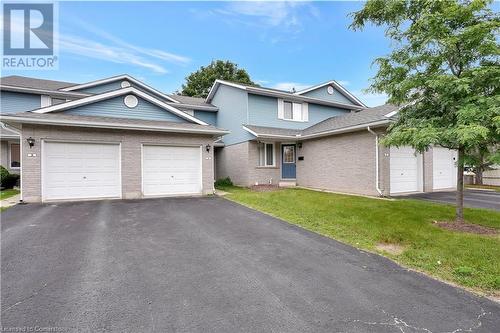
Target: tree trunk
column 479, row 176
column 459, row 216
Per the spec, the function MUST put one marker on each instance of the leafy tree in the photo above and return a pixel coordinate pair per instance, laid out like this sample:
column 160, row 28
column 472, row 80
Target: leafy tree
column 198, row 83
column 443, row 71
column 482, row 159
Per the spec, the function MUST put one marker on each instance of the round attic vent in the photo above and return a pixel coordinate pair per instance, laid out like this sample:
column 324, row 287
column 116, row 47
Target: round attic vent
column 330, row 90
column 130, row 101
column 125, row 84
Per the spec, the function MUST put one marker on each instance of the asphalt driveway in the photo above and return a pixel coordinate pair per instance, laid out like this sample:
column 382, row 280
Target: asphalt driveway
column 472, row 198
column 207, row 264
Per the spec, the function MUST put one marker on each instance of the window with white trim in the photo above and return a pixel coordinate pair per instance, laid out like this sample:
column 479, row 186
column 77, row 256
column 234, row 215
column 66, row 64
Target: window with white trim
column 15, row 156
column 266, row 154
column 292, row 111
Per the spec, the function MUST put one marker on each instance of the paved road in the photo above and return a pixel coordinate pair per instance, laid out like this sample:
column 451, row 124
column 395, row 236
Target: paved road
column 207, row 264
column 472, row 198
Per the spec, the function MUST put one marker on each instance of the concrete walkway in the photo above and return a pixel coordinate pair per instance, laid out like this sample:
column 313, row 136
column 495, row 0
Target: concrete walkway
column 11, row 201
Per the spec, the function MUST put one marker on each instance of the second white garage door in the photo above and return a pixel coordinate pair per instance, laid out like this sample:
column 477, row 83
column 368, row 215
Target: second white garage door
column 171, row 170
column 444, row 169
column 406, row 170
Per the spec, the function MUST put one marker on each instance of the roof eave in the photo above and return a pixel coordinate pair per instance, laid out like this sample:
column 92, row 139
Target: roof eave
column 42, row 91
column 117, row 125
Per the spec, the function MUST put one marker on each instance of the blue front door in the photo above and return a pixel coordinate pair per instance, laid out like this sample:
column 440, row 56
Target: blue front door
column 288, row 161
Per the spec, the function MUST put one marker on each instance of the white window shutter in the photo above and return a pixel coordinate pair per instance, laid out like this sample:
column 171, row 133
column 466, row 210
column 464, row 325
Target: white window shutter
column 281, row 109
column 305, row 112
column 297, row 111
column 45, row 101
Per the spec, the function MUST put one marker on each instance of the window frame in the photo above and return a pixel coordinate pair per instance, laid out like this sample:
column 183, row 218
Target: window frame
column 10, row 155
column 265, row 165
column 303, row 112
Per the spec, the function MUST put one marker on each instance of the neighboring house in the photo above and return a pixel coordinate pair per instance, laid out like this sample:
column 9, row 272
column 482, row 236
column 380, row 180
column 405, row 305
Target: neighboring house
column 10, row 153
column 322, row 137
column 120, row 138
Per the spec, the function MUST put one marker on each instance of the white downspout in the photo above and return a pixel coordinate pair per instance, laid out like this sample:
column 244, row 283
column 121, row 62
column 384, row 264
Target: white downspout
column 376, row 161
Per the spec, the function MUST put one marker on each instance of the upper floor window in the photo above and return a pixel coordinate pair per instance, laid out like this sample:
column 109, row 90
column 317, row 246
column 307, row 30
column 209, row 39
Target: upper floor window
column 292, row 111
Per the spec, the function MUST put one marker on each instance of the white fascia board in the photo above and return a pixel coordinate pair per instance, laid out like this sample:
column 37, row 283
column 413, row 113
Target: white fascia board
column 216, row 84
column 269, row 136
column 117, row 125
column 344, row 91
column 391, row 114
column 42, row 91
column 115, row 93
column 195, row 107
column 117, row 78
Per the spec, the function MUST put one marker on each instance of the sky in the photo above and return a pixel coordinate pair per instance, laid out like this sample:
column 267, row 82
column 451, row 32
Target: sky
column 282, row 45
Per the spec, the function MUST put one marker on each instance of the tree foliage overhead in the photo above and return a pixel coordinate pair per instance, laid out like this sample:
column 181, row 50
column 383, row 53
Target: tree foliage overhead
column 198, row 83
column 443, row 71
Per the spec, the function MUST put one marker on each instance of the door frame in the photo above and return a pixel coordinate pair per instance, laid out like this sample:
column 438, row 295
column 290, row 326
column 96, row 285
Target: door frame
column 200, row 146
column 282, row 159
column 43, row 166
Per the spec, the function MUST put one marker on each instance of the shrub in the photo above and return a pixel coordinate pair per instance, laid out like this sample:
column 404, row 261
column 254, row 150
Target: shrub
column 223, row 182
column 7, row 180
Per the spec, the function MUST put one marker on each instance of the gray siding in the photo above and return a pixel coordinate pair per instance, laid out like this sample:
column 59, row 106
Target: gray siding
column 232, row 104
column 263, row 111
column 207, row 116
column 13, row 102
column 115, row 107
column 322, row 93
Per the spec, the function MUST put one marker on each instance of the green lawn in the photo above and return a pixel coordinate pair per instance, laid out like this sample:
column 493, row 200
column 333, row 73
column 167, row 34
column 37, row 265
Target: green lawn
column 487, row 187
column 469, row 260
column 4, row 194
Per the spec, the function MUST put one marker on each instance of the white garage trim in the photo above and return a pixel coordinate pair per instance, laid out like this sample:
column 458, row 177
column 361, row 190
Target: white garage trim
column 43, row 168
column 408, row 166
column 165, row 194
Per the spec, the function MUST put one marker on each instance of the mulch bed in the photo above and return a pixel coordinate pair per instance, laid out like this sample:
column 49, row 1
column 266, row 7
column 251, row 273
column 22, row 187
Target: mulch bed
column 265, row 188
column 467, row 227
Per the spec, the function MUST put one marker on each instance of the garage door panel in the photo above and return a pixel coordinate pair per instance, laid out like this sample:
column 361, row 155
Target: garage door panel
column 169, row 170
column 444, row 170
column 81, row 170
column 404, row 170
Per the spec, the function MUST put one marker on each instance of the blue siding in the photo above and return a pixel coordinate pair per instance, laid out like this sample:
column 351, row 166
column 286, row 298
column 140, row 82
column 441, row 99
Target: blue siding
column 263, row 111
column 206, row 116
column 232, row 114
column 13, row 102
column 115, row 107
column 102, row 88
column 322, row 93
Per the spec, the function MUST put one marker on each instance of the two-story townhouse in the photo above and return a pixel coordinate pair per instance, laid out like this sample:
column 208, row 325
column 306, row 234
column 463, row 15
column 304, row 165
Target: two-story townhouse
column 322, row 137
column 120, row 138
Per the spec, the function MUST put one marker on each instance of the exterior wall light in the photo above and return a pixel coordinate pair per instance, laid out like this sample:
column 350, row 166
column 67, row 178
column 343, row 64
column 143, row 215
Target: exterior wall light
column 207, row 148
column 31, row 142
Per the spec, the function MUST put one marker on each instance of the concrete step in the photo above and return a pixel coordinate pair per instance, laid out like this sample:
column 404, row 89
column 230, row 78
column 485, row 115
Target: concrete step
column 287, row 183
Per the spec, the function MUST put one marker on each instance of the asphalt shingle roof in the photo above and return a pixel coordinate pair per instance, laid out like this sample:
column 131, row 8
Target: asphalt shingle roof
column 366, row 116
column 190, row 100
column 123, row 121
column 30, row 82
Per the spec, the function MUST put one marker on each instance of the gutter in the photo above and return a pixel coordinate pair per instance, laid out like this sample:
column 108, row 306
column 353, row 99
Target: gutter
column 97, row 124
column 377, row 186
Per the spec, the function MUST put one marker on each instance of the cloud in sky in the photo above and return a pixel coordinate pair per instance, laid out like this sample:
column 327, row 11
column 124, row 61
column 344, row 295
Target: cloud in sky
column 106, row 47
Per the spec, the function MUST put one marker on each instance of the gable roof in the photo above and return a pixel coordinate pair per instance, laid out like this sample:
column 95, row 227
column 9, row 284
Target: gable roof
column 115, row 93
column 377, row 116
column 61, row 119
column 118, row 78
column 339, row 87
column 7, row 133
column 278, row 94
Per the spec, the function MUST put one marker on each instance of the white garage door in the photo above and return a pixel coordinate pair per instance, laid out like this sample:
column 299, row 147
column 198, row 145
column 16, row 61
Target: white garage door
column 444, row 169
column 169, row 170
column 80, row 171
column 405, row 168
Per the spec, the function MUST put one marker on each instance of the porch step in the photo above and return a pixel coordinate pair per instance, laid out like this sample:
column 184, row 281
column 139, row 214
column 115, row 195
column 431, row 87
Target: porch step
column 287, row 183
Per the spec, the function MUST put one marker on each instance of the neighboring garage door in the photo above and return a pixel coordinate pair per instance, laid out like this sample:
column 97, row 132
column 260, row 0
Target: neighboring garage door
column 444, row 169
column 80, row 171
column 171, row 170
column 405, row 169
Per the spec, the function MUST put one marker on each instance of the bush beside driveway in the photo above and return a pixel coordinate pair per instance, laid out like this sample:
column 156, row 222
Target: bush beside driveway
column 404, row 226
